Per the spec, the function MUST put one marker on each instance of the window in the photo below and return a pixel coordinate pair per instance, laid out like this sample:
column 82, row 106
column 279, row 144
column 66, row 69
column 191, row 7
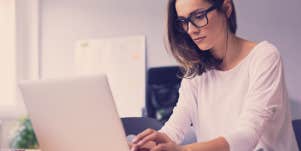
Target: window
column 19, row 52
column 8, row 55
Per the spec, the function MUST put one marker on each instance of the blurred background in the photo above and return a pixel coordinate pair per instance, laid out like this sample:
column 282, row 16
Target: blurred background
column 42, row 39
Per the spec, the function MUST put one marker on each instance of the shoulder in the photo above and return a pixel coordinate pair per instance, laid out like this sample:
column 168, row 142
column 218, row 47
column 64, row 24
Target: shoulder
column 190, row 83
column 265, row 51
column 265, row 58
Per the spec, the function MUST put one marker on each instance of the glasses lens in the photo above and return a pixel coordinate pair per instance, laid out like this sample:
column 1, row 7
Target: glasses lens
column 181, row 25
column 199, row 20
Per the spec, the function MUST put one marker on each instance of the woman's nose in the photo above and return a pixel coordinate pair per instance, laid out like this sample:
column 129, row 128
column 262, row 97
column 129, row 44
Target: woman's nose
column 192, row 29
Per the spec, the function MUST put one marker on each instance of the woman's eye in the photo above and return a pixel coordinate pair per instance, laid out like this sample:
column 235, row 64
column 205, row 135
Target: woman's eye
column 199, row 16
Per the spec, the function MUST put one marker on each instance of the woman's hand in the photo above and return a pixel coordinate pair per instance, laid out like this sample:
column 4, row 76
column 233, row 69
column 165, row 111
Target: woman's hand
column 162, row 141
column 145, row 147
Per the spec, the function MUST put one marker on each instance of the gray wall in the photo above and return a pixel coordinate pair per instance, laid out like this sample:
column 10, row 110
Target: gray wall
column 65, row 21
column 279, row 22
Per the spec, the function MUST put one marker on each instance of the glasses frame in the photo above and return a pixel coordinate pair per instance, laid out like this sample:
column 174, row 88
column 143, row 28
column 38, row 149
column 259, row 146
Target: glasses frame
column 188, row 19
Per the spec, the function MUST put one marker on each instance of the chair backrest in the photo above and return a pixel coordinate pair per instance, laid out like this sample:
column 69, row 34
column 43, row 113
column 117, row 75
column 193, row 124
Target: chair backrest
column 135, row 125
column 297, row 129
column 162, row 92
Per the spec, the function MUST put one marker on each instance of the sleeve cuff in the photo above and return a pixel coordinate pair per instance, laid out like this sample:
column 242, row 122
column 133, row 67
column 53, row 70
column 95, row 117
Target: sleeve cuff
column 172, row 135
column 241, row 140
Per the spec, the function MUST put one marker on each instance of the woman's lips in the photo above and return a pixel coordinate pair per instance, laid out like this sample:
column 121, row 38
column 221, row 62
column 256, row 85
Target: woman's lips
column 199, row 39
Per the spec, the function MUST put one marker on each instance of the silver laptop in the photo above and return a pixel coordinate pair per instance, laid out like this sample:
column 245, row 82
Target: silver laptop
column 74, row 114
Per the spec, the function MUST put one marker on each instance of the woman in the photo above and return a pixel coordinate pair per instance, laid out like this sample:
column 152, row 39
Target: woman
column 233, row 91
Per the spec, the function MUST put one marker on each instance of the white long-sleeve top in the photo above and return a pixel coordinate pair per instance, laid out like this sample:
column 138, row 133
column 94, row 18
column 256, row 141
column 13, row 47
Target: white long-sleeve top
column 247, row 105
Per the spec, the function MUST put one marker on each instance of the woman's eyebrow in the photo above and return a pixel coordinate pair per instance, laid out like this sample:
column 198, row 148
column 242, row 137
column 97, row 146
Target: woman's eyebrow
column 197, row 11
column 194, row 11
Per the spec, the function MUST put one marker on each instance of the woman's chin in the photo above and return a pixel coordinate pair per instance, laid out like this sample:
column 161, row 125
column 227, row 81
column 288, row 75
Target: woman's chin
column 203, row 47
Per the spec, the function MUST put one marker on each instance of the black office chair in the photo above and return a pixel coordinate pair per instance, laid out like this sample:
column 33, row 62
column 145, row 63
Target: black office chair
column 297, row 129
column 135, row 125
column 162, row 92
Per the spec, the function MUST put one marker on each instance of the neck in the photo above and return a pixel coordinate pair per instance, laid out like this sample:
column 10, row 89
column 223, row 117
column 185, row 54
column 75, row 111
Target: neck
column 227, row 50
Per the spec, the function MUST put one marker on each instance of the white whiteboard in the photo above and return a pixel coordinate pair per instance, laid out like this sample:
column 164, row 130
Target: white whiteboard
column 123, row 60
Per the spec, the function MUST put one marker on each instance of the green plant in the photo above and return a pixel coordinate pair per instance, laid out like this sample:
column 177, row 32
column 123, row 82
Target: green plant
column 25, row 137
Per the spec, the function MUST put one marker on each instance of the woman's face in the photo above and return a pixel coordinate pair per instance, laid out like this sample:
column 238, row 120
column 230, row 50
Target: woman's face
column 210, row 35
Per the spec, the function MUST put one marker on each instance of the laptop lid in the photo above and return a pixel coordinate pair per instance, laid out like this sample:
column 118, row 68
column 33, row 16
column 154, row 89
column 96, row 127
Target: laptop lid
column 74, row 114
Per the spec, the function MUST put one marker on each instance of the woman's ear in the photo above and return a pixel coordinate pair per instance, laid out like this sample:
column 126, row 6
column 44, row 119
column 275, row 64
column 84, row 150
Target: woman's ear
column 228, row 7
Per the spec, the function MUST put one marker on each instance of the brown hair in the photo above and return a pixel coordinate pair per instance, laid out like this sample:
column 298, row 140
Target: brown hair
column 193, row 60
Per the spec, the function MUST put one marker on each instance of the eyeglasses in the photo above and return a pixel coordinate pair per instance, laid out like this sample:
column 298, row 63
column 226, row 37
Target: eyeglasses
column 197, row 18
